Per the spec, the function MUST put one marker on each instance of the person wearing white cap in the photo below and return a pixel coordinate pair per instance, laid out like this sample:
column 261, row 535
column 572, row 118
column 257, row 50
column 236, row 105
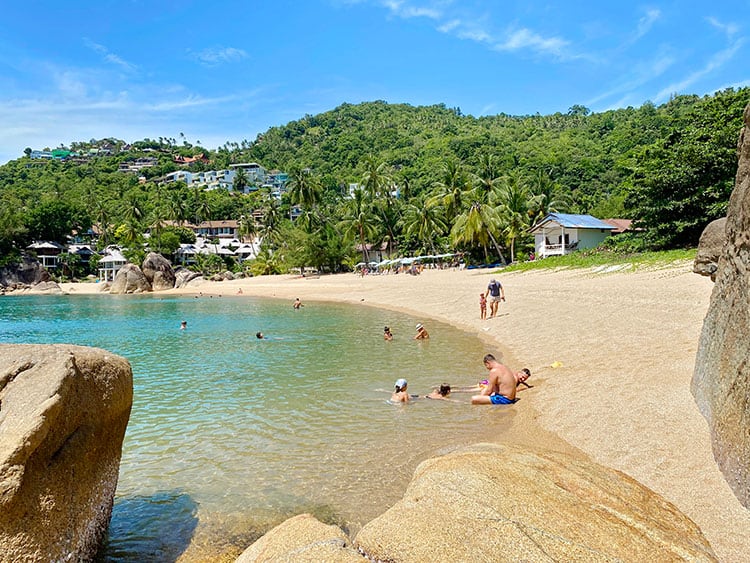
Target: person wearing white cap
column 400, row 394
column 497, row 293
column 422, row 334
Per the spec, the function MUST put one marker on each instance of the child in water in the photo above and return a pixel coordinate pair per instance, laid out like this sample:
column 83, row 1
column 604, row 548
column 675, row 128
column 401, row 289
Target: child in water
column 400, row 395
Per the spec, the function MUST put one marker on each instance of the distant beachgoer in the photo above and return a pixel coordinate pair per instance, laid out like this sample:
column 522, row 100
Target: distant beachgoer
column 482, row 306
column 239, row 291
column 400, row 395
column 501, row 388
column 422, row 334
column 387, row 335
column 259, row 335
column 441, row 392
column 497, row 293
column 183, row 325
column 297, row 303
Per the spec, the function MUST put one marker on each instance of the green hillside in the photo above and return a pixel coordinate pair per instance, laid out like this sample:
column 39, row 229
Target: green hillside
column 671, row 167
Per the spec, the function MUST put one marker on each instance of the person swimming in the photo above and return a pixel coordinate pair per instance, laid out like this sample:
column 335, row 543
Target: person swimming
column 259, row 335
column 441, row 392
column 400, row 395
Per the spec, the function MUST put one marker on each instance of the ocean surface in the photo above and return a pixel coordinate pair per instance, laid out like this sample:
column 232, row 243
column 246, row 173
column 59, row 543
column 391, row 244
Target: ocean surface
column 229, row 435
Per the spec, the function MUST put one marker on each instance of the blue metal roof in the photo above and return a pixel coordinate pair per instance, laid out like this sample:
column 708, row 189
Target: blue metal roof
column 574, row 221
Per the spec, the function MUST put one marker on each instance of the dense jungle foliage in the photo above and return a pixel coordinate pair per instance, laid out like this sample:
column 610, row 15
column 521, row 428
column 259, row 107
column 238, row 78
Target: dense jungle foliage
column 427, row 180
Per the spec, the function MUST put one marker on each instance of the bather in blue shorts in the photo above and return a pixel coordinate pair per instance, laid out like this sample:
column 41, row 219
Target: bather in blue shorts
column 501, row 400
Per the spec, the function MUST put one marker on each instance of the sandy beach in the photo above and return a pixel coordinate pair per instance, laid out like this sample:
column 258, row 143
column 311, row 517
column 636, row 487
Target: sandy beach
column 623, row 344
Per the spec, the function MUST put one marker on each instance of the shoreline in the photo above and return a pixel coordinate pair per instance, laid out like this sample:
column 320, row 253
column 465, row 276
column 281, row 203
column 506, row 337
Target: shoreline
column 625, row 343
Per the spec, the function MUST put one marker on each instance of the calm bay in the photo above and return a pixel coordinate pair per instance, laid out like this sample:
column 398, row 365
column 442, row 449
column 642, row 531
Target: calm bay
column 230, row 434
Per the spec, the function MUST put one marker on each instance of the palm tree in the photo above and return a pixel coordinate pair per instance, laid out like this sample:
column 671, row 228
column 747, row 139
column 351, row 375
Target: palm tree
column 486, row 179
column 304, row 189
column 451, row 189
column 271, row 221
column 359, row 220
column 515, row 204
column 201, row 206
column 425, row 223
column 240, row 181
column 547, row 197
column 376, row 179
column 477, row 225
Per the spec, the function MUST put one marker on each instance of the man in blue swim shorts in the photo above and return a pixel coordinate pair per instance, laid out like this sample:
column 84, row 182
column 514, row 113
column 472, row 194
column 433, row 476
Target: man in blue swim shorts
column 501, row 400
column 501, row 385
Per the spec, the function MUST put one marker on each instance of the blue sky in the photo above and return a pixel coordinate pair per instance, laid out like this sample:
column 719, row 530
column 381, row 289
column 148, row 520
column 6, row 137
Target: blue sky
column 222, row 71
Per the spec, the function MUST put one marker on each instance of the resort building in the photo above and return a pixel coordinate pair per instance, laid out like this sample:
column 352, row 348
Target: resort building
column 111, row 263
column 47, row 252
column 559, row 234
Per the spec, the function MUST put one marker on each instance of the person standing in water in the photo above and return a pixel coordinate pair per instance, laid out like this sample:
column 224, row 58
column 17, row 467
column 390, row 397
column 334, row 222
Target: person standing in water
column 400, row 394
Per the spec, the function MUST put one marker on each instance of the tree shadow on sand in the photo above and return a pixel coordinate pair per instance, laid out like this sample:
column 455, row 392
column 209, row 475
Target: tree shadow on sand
column 150, row 528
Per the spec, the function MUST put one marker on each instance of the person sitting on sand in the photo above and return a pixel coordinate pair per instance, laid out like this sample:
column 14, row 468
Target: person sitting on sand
column 441, row 392
column 400, row 395
column 422, row 334
column 387, row 335
column 501, row 388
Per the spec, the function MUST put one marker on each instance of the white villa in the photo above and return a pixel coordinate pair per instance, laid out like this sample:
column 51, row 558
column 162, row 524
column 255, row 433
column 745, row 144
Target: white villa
column 111, row 263
column 561, row 233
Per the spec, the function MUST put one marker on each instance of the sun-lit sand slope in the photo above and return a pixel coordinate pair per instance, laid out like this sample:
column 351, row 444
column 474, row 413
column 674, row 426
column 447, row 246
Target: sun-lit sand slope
column 624, row 344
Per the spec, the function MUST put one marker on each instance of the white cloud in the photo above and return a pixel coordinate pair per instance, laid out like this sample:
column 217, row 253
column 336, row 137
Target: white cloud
column 641, row 74
column 407, row 10
column 730, row 29
column 714, row 63
column 646, row 22
column 219, row 55
column 109, row 57
column 524, row 38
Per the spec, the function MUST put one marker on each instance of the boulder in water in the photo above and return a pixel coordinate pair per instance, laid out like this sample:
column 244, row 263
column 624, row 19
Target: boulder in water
column 63, row 414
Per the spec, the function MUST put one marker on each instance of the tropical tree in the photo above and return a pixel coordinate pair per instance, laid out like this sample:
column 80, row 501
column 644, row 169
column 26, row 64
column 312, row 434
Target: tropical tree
column 514, row 207
column 425, row 223
column 451, row 189
column 376, row 178
column 240, row 181
column 304, row 188
column 358, row 221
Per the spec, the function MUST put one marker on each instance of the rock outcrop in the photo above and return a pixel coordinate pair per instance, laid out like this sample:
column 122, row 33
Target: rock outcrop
column 498, row 503
column 710, row 247
column 29, row 271
column 130, row 279
column 158, row 272
column 721, row 380
column 48, row 287
column 63, row 414
column 183, row 277
column 302, row 538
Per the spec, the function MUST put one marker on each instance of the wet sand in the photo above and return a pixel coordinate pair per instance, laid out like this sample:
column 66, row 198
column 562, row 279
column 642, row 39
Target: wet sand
column 624, row 344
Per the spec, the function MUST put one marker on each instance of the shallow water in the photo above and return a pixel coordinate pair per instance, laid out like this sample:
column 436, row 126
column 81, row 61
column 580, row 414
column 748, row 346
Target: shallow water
column 230, row 434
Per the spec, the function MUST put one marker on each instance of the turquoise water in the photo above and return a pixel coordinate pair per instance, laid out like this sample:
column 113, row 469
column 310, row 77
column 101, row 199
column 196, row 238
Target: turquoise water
column 230, row 434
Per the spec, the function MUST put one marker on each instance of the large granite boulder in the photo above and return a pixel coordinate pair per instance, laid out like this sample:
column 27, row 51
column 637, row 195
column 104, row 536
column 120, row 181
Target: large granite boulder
column 710, row 247
column 63, row 414
column 48, row 287
column 491, row 502
column 721, row 380
column 158, row 272
column 130, row 279
column 302, row 539
column 499, row 503
column 28, row 271
column 183, row 277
